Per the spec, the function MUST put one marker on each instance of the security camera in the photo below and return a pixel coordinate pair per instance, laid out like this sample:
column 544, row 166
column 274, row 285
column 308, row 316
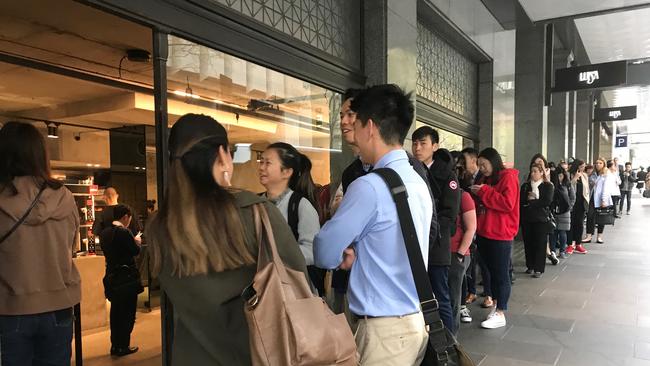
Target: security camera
column 77, row 136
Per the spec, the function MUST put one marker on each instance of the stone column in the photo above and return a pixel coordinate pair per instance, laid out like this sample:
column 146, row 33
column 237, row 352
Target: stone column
column 558, row 113
column 530, row 112
column 390, row 28
column 583, row 132
column 571, row 131
column 486, row 104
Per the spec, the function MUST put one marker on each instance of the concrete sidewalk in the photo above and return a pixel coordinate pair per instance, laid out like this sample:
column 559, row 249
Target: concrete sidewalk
column 591, row 309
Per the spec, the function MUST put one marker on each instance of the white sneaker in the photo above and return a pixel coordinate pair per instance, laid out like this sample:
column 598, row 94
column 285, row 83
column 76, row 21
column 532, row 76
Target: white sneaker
column 465, row 316
column 497, row 320
column 493, row 310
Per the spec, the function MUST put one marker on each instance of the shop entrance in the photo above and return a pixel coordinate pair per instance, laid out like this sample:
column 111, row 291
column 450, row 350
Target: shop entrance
column 84, row 78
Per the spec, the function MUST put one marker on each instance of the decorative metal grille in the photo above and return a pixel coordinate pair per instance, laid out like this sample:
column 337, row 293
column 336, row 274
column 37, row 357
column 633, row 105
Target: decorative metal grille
column 332, row 26
column 445, row 76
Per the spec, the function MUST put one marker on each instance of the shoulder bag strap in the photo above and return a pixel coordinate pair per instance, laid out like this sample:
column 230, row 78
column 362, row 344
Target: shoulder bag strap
column 428, row 303
column 293, row 216
column 24, row 217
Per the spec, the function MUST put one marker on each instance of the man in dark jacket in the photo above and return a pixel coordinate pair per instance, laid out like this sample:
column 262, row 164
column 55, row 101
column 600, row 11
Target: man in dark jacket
column 446, row 193
column 628, row 182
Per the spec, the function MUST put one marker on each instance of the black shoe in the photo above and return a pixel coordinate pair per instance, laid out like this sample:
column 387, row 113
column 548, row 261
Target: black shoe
column 512, row 278
column 553, row 258
column 120, row 352
column 529, row 271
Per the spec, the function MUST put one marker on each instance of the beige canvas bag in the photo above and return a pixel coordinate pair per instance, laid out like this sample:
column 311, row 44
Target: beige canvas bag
column 289, row 325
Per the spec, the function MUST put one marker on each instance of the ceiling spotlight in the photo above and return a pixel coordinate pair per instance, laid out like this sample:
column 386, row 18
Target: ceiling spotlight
column 52, row 130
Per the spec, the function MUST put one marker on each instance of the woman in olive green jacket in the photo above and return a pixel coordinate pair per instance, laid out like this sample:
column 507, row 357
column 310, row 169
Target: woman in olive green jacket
column 204, row 248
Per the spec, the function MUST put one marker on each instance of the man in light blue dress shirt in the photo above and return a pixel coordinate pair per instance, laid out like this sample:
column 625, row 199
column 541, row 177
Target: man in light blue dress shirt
column 365, row 234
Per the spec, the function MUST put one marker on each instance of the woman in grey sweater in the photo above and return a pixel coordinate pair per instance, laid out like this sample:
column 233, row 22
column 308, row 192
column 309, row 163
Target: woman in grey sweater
column 286, row 175
column 564, row 199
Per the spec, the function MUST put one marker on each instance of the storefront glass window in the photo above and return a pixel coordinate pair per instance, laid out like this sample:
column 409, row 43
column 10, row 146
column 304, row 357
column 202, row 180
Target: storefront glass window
column 258, row 106
column 448, row 140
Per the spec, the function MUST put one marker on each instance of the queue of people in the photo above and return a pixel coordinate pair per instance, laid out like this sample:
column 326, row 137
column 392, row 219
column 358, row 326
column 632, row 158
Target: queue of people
column 466, row 209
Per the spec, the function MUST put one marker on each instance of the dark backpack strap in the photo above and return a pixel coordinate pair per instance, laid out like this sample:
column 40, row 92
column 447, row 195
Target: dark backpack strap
column 437, row 333
column 24, row 217
column 292, row 213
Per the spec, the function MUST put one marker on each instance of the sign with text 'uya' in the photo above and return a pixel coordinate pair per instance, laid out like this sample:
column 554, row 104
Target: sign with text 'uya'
column 621, row 141
column 591, row 76
column 615, row 114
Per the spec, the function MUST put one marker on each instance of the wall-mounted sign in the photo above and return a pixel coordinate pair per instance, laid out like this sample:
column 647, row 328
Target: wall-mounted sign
column 615, row 114
column 591, row 76
column 621, row 141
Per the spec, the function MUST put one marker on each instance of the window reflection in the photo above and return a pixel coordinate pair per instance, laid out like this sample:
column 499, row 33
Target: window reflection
column 258, row 106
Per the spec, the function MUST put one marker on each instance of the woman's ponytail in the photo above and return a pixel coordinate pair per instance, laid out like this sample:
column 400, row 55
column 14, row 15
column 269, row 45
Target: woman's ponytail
column 301, row 181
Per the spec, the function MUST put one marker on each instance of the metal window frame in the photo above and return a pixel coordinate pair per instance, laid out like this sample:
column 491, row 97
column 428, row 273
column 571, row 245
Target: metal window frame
column 240, row 36
column 439, row 117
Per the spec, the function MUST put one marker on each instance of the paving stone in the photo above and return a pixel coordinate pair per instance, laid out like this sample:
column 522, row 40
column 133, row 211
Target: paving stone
column 591, row 309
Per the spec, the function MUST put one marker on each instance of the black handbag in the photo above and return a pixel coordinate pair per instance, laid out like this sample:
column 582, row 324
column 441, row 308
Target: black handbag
column 442, row 349
column 604, row 215
column 551, row 223
column 122, row 280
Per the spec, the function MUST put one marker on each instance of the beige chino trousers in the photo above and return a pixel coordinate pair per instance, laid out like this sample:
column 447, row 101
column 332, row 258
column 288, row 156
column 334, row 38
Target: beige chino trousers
column 391, row 341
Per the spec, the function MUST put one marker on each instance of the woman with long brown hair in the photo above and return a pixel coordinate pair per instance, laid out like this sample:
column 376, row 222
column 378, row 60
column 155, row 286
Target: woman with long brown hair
column 39, row 283
column 204, row 246
column 535, row 201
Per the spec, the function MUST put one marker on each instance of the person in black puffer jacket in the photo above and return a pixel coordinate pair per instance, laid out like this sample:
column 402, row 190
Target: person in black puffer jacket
column 535, row 201
column 563, row 201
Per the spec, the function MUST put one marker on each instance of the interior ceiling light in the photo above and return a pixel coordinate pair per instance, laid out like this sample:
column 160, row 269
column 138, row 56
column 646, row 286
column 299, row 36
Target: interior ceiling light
column 52, row 130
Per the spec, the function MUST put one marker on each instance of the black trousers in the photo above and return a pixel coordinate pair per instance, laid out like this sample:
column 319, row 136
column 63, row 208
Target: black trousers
column 535, row 245
column 591, row 220
column 577, row 222
column 122, row 318
column 626, row 195
column 615, row 201
column 497, row 257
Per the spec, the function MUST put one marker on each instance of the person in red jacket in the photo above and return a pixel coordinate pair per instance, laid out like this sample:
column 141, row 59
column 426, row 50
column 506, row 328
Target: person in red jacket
column 497, row 201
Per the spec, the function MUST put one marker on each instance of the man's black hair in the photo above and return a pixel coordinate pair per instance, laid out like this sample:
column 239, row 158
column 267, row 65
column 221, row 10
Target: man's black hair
column 350, row 94
column 628, row 163
column 455, row 154
column 470, row 151
column 389, row 108
column 120, row 210
column 425, row 131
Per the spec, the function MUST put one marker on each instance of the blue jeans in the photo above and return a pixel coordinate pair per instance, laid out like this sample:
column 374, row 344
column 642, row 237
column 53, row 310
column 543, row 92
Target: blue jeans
column 496, row 254
column 439, row 276
column 37, row 339
column 559, row 240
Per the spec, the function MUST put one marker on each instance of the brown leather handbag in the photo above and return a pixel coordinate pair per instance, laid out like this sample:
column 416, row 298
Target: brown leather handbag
column 288, row 325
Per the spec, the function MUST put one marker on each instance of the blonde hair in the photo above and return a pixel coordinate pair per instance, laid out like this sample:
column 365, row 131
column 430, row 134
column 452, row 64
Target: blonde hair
column 605, row 169
column 194, row 233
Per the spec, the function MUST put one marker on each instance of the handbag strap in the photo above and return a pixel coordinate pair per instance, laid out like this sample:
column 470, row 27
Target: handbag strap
column 24, row 217
column 428, row 303
column 267, row 249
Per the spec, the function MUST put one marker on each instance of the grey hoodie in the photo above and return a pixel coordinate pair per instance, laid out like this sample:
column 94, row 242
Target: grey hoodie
column 36, row 270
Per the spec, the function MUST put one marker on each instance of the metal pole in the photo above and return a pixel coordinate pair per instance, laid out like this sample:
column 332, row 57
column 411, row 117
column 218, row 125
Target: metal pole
column 161, row 51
